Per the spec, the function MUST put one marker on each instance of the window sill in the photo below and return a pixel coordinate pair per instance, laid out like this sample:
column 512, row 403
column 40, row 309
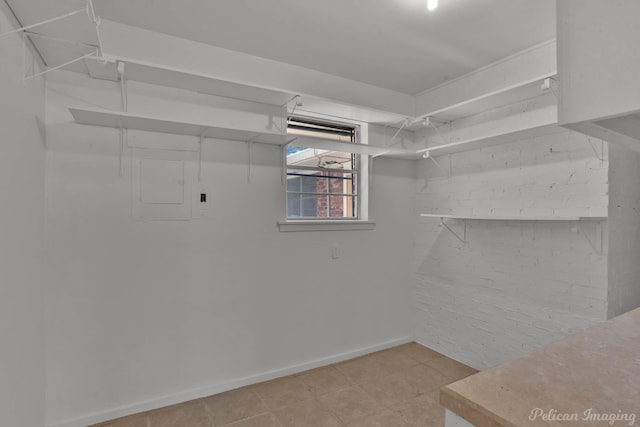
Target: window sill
column 329, row 225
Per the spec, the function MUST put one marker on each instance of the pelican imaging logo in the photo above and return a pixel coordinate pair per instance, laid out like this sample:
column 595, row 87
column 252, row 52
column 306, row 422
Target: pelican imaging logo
column 587, row 416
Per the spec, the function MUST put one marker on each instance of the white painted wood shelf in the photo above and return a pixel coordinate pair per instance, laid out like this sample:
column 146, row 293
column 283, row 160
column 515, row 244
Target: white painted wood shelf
column 513, row 218
column 348, row 147
column 492, row 100
column 161, row 75
column 464, row 218
column 117, row 119
column 490, row 140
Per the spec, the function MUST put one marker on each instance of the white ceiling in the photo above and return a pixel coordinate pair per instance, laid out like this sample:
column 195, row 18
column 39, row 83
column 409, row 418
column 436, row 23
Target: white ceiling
column 394, row 44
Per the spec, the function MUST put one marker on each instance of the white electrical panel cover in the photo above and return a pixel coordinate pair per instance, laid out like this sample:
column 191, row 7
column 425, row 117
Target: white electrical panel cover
column 162, row 181
column 161, row 184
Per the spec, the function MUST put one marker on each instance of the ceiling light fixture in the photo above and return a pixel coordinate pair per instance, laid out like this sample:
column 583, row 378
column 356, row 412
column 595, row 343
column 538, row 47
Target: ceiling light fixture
column 432, row 4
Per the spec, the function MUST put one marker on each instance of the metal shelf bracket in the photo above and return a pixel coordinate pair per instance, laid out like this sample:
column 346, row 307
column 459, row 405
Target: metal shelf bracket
column 250, row 157
column 285, row 112
column 597, row 243
column 96, row 54
column 462, row 239
column 600, row 155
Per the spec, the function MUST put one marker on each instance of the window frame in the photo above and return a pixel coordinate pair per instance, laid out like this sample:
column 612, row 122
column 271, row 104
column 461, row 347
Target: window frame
column 361, row 191
column 321, row 128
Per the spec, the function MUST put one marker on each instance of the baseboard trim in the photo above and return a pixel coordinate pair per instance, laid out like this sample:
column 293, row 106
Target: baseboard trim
column 185, row 396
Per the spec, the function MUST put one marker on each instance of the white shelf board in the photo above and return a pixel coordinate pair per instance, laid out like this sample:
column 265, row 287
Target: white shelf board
column 514, row 218
column 491, row 140
column 348, row 147
column 397, row 153
column 116, row 119
column 490, row 101
column 161, row 75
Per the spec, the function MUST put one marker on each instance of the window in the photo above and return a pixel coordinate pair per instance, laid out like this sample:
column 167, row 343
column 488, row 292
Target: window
column 322, row 184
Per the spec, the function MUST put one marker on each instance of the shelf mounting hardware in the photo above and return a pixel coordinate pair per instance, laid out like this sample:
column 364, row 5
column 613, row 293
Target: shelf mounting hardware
column 48, row 21
column 595, row 151
column 200, row 141
column 97, row 54
column 427, row 155
column 599, row 236
column 124, row 133
column 285, row 111
column 250, row 143
column 59, row 39
column 463, row 239
column 93, row 55
column 122, row 140
column 428, row 121
column 405, row 123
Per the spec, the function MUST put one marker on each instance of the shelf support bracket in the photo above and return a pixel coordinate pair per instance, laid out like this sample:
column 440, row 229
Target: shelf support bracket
column 24, row 56
column 89, row 10
column 282, row 119
column 57, row 67
column 124, row 133
column 250, row 156
column 595, row 151
column 427, row 155
column 91, row 13
column 200, row 140
column 598, row 249
column 285, row 111
column 405, row 123
column 122, row 138
column 463, row 239
column 429, row 122
column 200, row 159
column 48, row 21
column 59, row 39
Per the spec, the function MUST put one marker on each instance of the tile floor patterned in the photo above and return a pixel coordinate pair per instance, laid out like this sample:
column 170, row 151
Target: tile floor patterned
column 397, row 387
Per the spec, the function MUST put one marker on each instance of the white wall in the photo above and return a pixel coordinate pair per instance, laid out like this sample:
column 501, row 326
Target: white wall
column 22, row 159
column 515, row 285
column 624, row 230
column 142, row 314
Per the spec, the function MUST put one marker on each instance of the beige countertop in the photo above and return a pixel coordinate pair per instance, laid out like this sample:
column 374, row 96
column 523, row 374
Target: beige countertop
column 591, row 378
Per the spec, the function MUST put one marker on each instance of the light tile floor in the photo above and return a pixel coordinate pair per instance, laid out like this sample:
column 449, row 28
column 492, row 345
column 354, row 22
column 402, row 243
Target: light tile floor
column 397, row 387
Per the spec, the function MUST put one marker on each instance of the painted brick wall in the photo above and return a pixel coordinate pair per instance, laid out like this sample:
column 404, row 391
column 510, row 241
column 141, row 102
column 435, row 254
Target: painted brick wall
column 624, row 230
column 514, row 285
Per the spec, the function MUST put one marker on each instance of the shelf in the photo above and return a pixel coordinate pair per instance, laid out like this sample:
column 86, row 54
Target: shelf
column 160, row 75
column 491, row 140
column 514, row 218
column 464, row 218
column 348, row 147
column 181, row 79
column 171, row 77
column 490, row 101
column 116, row 119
